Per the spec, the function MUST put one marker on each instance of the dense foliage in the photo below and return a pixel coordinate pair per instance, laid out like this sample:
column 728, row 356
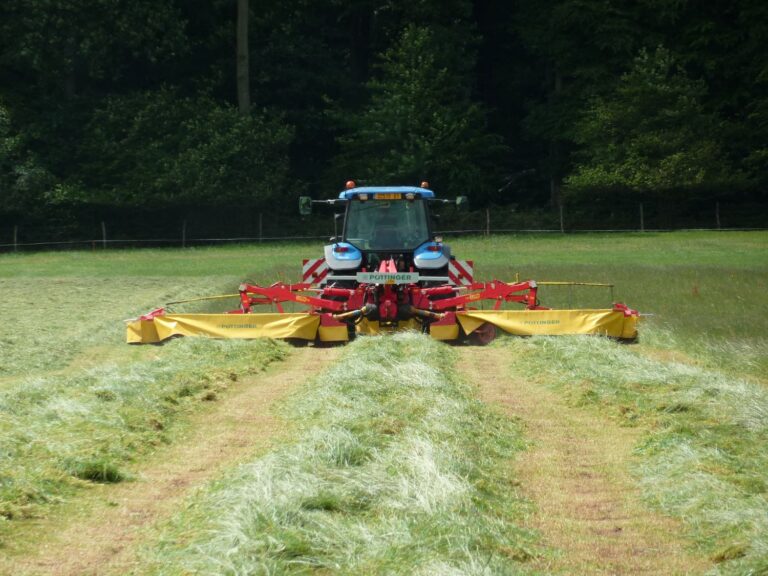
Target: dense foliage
column 119, row 104
column 651, row 136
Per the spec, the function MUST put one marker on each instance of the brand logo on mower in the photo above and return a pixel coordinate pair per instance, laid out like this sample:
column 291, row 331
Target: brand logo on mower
column 387, row 277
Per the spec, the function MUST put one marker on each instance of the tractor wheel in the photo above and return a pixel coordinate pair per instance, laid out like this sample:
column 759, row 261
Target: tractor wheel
column 483, row 335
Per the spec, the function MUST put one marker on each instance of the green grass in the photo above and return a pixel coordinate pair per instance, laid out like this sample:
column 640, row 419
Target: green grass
column 705, row 459
column 697, row 379
column 58, row 305
column 396, row 469
column 89, row 424
column 708, row 290
column 243, row 262
column 79, row 406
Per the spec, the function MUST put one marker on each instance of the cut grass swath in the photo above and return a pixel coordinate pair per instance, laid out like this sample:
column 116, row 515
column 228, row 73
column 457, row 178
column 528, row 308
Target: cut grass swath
column 706, row 460
column 397, row 469
column 88, row 425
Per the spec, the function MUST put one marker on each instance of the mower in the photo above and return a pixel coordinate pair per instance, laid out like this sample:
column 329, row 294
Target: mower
column 387, row 272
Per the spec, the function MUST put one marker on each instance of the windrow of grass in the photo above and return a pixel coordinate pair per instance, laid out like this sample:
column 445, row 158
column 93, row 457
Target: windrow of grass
column 78, row 405
column 396, row 468
column 706, row 459
column 58, row 430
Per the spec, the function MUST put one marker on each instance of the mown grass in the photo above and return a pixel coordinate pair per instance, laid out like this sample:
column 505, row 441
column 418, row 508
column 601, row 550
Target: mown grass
column 91, row 424
column 74, row 410
column 396, row 469
column 77, row 405
column 697, row 379
column 705, row 459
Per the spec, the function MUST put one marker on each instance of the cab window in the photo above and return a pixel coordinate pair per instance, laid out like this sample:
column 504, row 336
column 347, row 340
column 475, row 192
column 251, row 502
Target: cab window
column 386, row 224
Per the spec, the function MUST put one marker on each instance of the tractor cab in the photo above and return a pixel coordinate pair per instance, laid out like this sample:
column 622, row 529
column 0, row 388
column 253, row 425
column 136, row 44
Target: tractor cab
column 389, row 221
column 386, row 224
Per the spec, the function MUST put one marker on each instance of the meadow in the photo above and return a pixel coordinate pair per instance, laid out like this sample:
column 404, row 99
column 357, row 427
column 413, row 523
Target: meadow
column 78, row 406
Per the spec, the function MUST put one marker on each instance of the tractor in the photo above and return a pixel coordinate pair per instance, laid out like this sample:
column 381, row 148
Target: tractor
column 387, row 271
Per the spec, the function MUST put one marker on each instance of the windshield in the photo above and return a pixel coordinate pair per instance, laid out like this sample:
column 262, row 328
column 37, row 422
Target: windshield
column 386, row 225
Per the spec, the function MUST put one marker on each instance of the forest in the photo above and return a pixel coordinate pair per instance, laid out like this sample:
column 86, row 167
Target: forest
column 148, row 113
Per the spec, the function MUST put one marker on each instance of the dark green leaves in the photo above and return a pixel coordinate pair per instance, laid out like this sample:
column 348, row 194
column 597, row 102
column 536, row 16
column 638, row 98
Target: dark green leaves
column 651, row 134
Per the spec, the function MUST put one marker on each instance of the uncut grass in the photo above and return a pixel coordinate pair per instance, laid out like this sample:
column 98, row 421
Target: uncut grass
column 245, row 262
column 57, row 306
column 396, row 469
column 708, row 288
column 705, row 290
column 706, row 459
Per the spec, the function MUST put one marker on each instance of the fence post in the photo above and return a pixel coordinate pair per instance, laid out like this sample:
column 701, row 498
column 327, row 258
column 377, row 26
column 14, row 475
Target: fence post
column 184, row 234
column 562, row 223
column 487, row 221
column 16, row 238
column 642, row 218
column 261, row 229
column 103, row 235
column 717, row 214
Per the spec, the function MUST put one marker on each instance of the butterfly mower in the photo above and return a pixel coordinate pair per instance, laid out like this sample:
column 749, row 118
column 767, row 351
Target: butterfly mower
column 387, row 272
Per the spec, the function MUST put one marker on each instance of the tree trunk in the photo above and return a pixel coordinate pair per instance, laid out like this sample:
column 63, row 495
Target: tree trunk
column 243, row 75
column 555, row 152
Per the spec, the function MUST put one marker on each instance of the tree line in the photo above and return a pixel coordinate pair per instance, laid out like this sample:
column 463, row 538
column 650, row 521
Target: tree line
column 527, row 103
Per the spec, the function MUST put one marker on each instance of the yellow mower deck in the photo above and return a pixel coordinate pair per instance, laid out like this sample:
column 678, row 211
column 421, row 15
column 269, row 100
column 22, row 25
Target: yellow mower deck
column 303, row 326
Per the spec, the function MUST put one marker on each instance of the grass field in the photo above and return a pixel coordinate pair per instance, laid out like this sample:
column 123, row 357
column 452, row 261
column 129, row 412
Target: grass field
column 396, row 469
column 77, row 405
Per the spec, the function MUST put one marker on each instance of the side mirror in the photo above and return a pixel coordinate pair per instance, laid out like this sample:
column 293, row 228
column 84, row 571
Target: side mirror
column 305, row 205
column 462, row 203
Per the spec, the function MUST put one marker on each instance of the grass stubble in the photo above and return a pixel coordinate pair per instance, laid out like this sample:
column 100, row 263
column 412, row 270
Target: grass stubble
column 60, row 431
column 396, row 469
column 575, row 471
column 77, row 405
column 704, row 458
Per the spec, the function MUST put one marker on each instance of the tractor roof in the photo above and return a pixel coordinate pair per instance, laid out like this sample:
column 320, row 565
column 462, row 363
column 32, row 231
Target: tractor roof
column 419, row 192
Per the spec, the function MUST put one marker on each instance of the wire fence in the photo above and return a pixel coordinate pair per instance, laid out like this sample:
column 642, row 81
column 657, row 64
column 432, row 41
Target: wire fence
column 105, row 242
column 102, row 243
column 122, row 229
